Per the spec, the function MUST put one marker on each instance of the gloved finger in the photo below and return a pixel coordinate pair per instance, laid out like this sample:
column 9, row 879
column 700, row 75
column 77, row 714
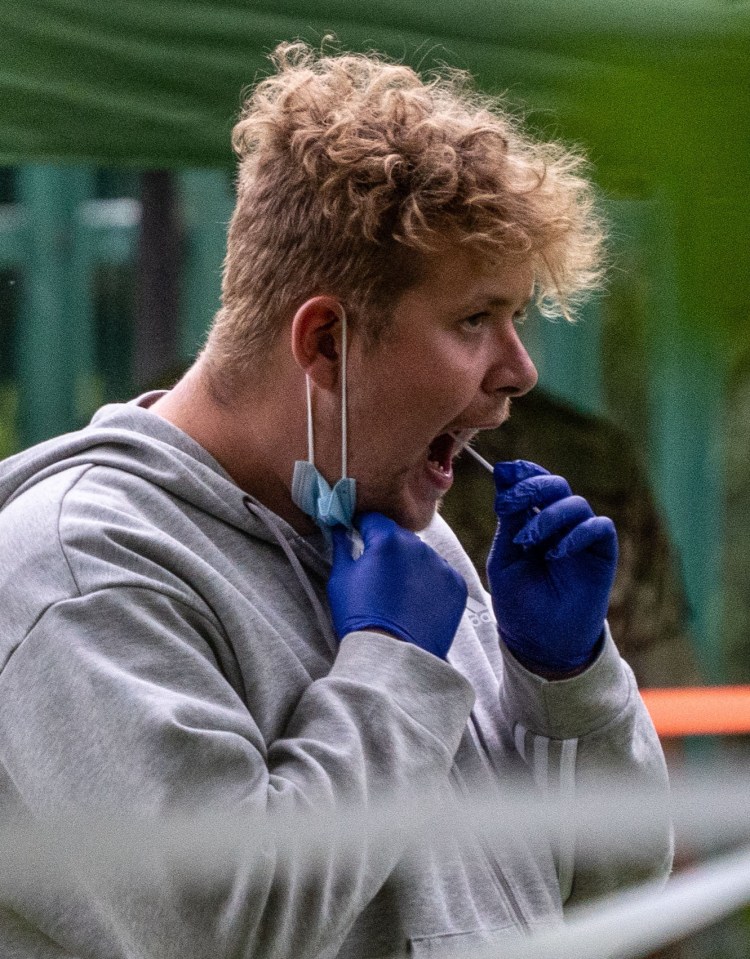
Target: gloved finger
column 537, row 491
column 503, row 551
column 554, row 521
column 342, row 546
column 513, row 471
column 375, row 527
column 596, row 536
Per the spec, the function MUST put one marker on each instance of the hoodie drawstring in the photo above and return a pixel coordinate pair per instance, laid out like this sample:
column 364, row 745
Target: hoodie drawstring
column 322, row 617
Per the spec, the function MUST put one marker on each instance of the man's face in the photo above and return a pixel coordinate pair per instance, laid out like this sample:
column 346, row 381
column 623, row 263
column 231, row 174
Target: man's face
column 446, row 368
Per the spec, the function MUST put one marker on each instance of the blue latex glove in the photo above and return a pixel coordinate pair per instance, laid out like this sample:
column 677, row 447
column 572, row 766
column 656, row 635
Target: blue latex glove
column 550, row 569
column 399, row 585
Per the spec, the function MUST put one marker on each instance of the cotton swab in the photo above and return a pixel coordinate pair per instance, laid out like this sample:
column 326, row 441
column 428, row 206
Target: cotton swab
column 479, row 459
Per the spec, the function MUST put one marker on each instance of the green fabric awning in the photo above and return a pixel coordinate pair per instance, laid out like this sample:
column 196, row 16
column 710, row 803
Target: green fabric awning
column 158, row 82
column 657, row 91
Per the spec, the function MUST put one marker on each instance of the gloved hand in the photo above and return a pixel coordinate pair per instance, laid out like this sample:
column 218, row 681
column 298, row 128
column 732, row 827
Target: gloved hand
column 399, row 584
column 550, row 569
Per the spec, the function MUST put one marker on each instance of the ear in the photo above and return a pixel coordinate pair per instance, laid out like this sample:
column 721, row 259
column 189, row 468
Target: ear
column 316, row 340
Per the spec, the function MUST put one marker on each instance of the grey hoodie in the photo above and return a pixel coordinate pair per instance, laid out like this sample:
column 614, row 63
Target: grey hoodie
column 165, row 648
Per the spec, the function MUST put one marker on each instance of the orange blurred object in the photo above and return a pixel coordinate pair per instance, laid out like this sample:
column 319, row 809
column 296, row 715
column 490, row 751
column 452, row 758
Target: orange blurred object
column 699, row 710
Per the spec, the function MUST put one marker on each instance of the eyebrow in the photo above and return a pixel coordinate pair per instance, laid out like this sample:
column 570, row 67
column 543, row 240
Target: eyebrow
column 496, row 301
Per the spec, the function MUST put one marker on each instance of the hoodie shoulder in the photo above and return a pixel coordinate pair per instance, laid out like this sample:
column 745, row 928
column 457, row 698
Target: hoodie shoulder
column 34, row 571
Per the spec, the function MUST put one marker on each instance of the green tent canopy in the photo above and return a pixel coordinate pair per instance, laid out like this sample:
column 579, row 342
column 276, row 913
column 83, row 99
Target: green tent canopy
column 158, row 82
column 657, row 91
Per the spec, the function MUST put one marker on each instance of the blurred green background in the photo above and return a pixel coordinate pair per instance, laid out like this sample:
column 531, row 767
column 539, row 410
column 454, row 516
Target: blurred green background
column 102, row 104
column 116, row 187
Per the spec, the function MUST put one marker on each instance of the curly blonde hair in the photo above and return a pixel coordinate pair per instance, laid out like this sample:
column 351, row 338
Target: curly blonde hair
column 353, row 169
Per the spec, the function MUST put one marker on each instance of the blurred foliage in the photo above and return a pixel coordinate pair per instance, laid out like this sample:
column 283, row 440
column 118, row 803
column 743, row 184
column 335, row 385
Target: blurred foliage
column 736, row 584
column 9, row 301
column 7, row 184
column 625, row 369
column 114, row 298
column 8, row 414
column 8, row 314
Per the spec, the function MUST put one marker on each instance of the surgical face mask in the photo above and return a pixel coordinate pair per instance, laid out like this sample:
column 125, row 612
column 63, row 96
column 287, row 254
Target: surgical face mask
column 310, row 490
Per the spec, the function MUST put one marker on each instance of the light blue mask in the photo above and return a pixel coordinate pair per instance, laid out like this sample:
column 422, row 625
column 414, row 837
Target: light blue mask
column 314, row 496
column 310, row 490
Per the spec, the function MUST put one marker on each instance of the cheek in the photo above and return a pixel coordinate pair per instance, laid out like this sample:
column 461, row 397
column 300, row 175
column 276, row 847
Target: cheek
column 417, row 393
column 449, row 388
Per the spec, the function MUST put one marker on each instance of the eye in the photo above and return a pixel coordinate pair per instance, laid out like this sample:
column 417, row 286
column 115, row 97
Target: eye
column 475, row 321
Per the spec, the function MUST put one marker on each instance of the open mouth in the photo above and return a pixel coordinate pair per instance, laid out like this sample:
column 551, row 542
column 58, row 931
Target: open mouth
column 440, row 453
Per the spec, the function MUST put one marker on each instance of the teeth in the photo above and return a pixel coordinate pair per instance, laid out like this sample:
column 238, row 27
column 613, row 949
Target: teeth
column 438, row 466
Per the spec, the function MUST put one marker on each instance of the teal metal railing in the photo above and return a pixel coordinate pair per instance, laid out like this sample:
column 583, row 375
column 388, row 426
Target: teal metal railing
column 53, row 238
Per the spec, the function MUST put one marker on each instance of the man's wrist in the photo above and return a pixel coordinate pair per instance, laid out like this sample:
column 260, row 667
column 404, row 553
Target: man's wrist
column 554, row 672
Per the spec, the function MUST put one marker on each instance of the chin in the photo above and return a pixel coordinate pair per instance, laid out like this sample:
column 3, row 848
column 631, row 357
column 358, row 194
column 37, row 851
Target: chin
column 414, row 517
column 414, row 513
column 417, row 524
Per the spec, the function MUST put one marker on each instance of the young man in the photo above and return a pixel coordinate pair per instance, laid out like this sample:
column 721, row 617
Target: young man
column 185, row 626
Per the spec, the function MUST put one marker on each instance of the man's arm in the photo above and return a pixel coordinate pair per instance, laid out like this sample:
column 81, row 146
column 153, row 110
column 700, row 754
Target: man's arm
column 572, row 702
column 114, row 704
column 580, row 733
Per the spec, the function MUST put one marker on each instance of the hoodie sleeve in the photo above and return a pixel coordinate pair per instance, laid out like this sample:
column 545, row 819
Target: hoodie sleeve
column 570, row 733
column 113, row 702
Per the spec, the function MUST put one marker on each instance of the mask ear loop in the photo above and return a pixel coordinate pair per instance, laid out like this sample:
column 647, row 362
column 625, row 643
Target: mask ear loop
column 355, row 537
column 310, row 436
column 344, row 424
column 344, row 419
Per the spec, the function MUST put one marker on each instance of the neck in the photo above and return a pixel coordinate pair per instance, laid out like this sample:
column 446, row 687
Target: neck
column 253, row 437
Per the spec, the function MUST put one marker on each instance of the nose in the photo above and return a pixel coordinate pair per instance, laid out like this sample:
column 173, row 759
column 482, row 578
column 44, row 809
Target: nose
column 512, row 372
